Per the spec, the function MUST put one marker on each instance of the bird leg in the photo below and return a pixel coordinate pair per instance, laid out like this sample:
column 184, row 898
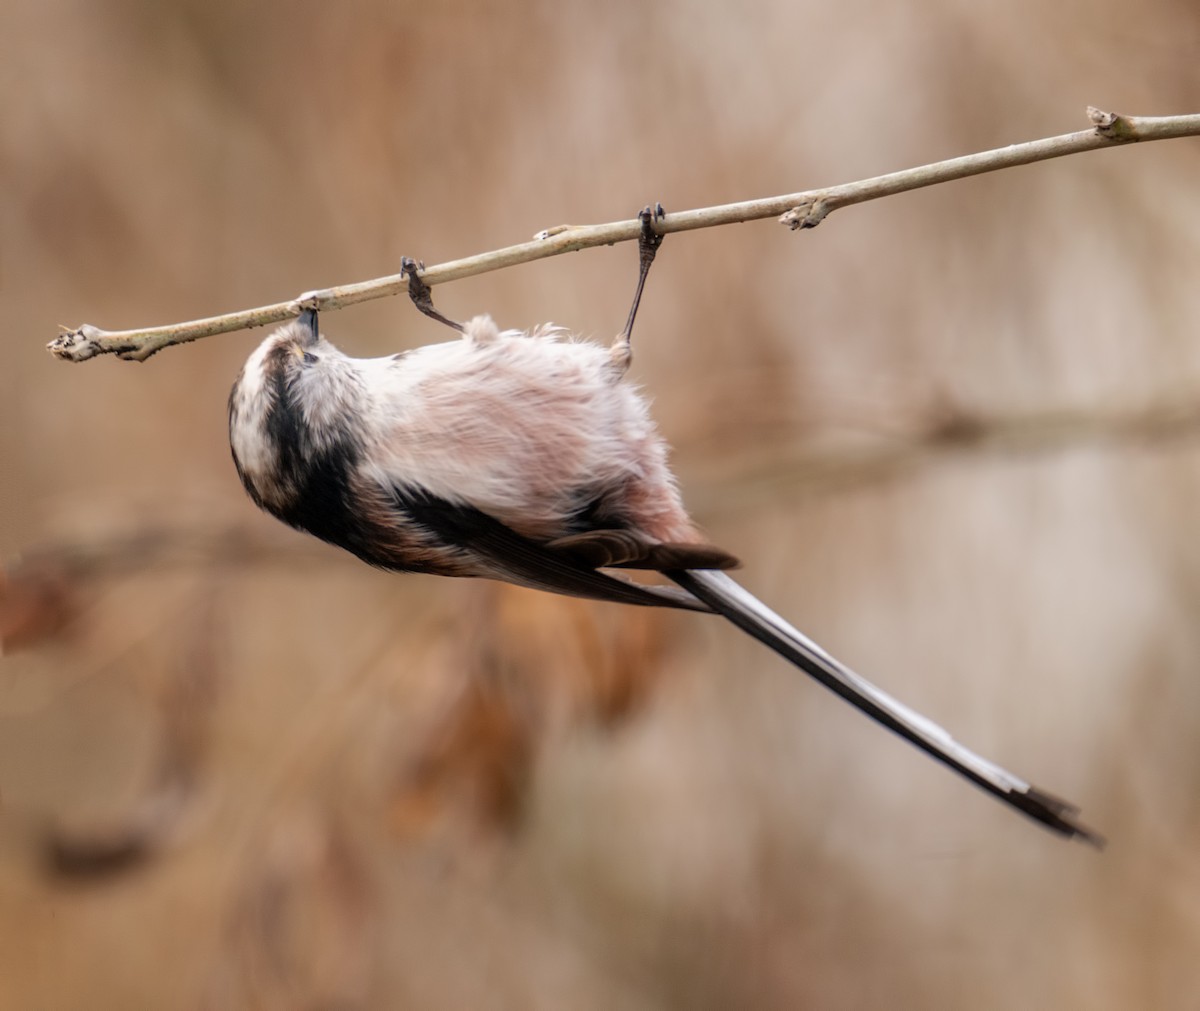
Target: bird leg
column 648, row 243
column 418, row 291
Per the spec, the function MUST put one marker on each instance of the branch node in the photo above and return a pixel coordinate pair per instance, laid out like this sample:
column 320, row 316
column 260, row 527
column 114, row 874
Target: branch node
column 549, row 233
column 1111, row 125
column 77, row 345
column 314, row 300
column 808, row 214
column 133, row 352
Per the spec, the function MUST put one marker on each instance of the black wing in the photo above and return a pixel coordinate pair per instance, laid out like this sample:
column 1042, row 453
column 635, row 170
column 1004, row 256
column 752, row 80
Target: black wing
column 518, row 559
column 628, row 549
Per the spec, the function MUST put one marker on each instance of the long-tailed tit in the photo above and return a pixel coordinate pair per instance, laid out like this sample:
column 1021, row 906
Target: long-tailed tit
column 524, row 457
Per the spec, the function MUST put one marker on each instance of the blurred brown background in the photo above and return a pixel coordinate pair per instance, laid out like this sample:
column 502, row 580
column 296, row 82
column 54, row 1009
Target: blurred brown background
column 950, row 434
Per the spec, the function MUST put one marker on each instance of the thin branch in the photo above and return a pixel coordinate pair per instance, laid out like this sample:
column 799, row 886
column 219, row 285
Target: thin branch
column 796, row 210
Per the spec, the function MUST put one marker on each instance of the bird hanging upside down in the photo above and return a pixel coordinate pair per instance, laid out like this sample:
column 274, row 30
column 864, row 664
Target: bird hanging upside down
column 524, row 457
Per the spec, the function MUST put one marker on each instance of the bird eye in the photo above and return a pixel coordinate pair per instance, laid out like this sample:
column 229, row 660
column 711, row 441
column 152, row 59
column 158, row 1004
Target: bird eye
column 309, row 358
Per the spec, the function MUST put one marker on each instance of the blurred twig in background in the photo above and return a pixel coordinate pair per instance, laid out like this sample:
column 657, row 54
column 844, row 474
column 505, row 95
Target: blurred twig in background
column 948, row 431
column 189, row 694
column 531, row 662
column 40, row 590
column 302, row 924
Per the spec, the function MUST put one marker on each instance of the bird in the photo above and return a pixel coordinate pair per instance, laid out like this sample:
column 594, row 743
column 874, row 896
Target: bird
column 526, row 457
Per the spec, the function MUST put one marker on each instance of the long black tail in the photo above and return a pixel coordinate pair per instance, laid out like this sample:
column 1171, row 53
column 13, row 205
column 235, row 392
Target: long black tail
column 726, row 597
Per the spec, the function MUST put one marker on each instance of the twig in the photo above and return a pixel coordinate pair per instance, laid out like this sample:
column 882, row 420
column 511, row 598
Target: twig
column 798, row 210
